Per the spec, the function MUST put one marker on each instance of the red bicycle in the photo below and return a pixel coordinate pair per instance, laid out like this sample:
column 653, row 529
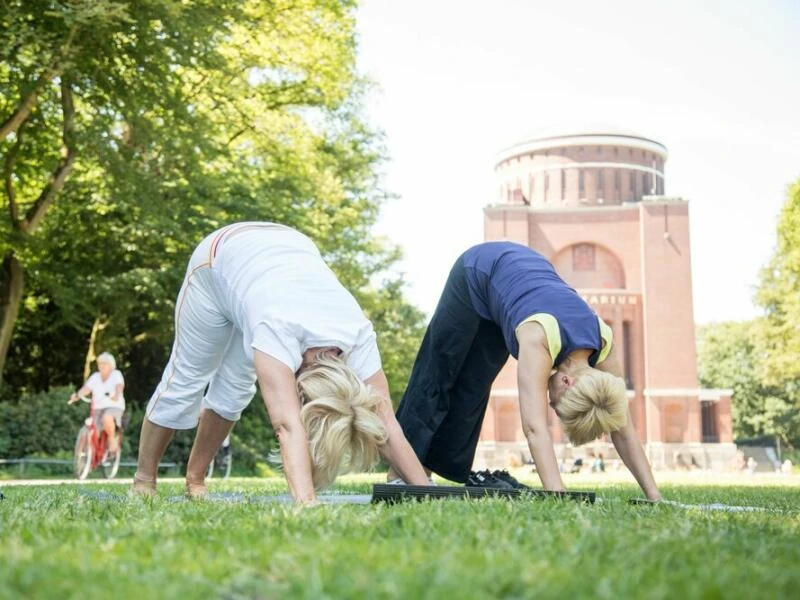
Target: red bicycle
column 91, row 448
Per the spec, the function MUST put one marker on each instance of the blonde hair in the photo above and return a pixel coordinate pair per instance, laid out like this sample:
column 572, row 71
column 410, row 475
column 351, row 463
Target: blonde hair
column 595, row 404
column 340, row 416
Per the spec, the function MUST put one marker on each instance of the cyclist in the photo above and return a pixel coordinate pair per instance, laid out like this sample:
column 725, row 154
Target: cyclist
column 106, row 386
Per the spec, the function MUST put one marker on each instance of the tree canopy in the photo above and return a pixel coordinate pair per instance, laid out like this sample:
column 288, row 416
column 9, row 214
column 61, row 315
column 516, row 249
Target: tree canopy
column 760, row 359
column 130, row 129
column 779, row 295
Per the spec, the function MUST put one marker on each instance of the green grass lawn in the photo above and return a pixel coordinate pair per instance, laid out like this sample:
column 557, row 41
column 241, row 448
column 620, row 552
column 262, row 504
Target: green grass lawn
column 60, row 543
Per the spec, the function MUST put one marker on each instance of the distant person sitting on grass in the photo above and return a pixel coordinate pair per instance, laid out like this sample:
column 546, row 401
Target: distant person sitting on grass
column 259, row 303
column 105, row 386
column 503, row 298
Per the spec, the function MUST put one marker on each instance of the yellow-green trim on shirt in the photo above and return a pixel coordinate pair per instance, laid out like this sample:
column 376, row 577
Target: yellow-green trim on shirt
column 553, row 335
column 551, row 331
column 607, row 335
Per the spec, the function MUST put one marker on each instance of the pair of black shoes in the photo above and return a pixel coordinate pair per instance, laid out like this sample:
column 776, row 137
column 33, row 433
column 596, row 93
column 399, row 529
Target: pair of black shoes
column 499, row 480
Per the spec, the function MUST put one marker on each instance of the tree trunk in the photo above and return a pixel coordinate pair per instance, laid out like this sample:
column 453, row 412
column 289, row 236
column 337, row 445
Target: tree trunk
column 12, row 285
column 91, row 352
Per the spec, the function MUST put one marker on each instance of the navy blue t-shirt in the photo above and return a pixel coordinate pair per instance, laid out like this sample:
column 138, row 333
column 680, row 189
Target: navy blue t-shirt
column 510, row 282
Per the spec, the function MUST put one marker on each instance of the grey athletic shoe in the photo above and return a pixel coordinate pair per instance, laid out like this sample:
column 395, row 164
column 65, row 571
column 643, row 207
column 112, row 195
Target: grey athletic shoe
column 506, row 476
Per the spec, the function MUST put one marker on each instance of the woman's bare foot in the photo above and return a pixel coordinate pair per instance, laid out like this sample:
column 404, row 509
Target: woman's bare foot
column 143, row 486
column 196, row 490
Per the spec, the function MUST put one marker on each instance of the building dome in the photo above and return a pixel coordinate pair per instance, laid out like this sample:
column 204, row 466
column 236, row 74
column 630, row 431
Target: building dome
column 574, row 167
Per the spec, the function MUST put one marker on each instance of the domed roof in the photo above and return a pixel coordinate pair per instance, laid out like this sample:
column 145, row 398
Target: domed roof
column 593, row 134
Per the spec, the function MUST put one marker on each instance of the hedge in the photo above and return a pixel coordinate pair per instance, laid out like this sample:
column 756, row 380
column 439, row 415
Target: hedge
column 43, row 425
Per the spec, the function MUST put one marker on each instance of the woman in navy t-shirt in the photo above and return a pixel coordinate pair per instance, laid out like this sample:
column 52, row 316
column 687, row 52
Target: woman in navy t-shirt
column 503, row 299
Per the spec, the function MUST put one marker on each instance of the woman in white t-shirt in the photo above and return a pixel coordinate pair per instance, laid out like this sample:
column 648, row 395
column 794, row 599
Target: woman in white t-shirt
column 106, row 386
column 258, row 303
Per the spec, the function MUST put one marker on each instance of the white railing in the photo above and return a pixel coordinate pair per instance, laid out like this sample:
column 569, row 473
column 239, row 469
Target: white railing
column 23, row 462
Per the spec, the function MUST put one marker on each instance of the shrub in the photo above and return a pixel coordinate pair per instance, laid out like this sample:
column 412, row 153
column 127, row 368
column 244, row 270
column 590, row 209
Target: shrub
column 43, row 425
column 40, row 424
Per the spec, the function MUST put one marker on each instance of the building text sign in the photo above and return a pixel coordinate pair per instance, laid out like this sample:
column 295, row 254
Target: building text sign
column 610, row 299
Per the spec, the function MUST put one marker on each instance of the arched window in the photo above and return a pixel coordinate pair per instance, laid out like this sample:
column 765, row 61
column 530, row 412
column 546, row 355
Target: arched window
column 588, row 265
column 583, row 257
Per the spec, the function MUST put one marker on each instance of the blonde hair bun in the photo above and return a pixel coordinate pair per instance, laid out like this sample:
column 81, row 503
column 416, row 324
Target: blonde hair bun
column 595, row 404
column 340, row 416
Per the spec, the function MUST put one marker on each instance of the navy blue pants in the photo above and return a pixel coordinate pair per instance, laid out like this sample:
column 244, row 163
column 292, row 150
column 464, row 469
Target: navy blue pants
column 443, row 407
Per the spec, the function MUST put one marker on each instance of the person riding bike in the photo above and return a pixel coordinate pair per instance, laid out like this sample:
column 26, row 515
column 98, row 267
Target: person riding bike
column 106, row 386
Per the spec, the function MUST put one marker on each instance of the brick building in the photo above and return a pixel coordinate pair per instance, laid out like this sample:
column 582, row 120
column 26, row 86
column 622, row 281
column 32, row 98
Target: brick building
column 593, row 203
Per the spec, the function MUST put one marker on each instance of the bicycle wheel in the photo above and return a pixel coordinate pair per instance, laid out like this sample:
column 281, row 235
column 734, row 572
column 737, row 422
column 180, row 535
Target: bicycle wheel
column 110, row 467
column 210, row 472
column 221, row 464
column 226, row 463
column 83, row 454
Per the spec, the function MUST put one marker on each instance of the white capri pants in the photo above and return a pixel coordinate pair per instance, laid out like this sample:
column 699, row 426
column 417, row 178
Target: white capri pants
column 208, row 349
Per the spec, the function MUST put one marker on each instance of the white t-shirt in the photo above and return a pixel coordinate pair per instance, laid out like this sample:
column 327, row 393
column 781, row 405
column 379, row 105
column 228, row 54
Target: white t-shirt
column 285, row 299
column 103, row 391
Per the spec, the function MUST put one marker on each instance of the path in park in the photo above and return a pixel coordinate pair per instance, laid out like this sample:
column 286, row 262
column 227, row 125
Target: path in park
column 128, row 481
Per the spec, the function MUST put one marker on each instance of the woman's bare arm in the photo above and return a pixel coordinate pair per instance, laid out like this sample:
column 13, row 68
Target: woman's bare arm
column 279, row 389
column 80, row 394
column 533, row 372
column 626, row 440
column 397, row 451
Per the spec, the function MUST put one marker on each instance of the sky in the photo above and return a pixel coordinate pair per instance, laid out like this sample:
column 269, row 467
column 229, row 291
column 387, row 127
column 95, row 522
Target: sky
column 456, row 81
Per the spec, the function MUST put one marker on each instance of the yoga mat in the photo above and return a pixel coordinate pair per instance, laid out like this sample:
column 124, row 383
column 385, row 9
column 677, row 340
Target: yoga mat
column 716, row 506
column 387, row 492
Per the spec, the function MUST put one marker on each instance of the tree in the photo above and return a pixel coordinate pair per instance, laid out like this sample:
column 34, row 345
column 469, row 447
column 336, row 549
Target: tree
column 779, row 295
column 728, row 357
column 131, row 128
column 759, row 358
column 400, row 328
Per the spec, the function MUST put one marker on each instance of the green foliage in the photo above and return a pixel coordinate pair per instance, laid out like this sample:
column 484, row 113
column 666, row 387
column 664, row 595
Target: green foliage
column 253, row 440
column 759, row 358
column 779, row 338
column 441, row 549
column 400, row 328
column 779, row 295
column 184, row 117
column 727, row 358
column 40, row 424
column 730, row 355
